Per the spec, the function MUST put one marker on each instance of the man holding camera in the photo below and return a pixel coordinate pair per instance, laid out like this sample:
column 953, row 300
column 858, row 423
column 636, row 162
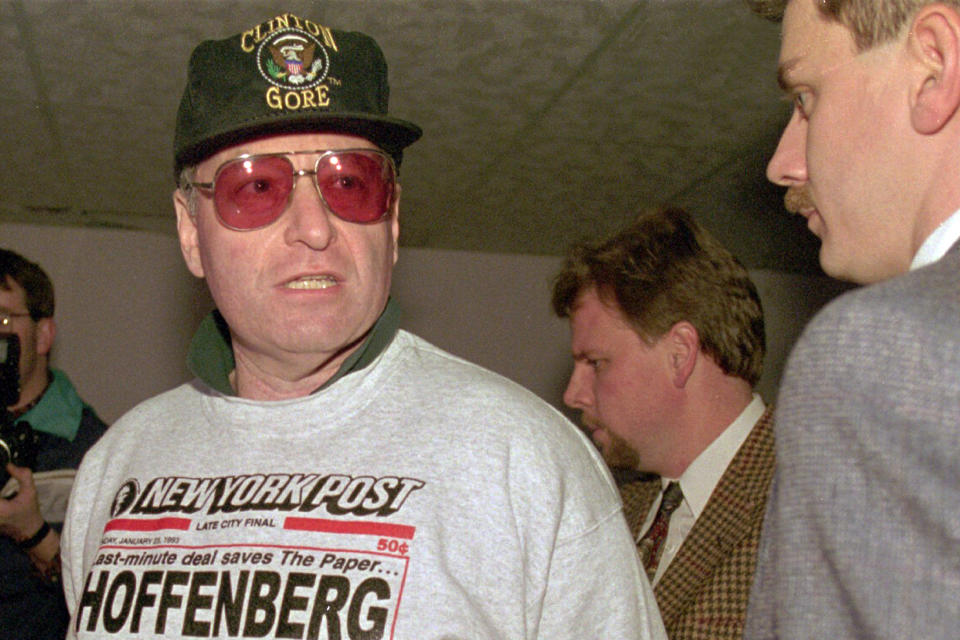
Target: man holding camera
column 48, row 428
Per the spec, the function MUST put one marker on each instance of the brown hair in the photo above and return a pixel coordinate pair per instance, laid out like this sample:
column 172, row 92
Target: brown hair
column 871, row 22
column 35, row 282
column 662, row 269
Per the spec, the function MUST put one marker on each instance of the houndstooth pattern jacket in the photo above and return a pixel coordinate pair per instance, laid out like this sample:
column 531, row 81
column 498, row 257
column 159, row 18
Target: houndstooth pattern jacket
column 703, row 593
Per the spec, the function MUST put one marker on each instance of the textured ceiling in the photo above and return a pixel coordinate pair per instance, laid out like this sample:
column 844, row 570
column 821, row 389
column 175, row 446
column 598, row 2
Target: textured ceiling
column 545, row 122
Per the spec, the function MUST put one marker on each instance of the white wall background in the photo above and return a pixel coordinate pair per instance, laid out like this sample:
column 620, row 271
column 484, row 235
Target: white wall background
column 127, row 307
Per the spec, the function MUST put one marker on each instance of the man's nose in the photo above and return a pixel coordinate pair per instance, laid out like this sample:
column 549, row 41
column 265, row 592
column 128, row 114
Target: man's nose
column 788, row 165
column 309, row 219
column 577, row 395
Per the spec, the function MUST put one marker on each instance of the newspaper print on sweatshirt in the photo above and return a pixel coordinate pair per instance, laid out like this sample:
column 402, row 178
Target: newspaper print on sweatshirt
column 187, row 557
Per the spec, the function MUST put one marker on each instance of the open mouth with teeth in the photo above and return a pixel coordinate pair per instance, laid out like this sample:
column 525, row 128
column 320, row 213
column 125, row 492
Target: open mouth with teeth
column 313, row 282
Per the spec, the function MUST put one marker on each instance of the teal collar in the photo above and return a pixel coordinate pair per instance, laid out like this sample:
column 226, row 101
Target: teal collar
column 59, row 410
column 210, row 356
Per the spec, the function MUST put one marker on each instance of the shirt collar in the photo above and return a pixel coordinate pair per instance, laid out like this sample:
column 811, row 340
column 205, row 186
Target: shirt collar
column 210, row 356
column 938, row 243
column 702, row 476
column 59, row 410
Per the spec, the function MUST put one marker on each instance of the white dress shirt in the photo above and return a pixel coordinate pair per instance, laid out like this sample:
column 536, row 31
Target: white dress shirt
column 938, row 242
column 700, row 479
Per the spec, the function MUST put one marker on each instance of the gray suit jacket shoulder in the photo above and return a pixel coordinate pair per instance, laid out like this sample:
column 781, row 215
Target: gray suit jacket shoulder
column 862, row 535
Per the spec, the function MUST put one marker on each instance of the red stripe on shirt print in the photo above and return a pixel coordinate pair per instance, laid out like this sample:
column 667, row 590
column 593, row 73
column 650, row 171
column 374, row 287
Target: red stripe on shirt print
column 148, row 524
column 350, row 526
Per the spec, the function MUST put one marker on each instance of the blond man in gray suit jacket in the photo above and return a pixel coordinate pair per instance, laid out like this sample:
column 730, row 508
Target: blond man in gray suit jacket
column 862, row 534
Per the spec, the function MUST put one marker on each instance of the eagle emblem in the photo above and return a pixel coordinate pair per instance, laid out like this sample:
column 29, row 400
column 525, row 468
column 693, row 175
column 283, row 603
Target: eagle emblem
column 293, row 59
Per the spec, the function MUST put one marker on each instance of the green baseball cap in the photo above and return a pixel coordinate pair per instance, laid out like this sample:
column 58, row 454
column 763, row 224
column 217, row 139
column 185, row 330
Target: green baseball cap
column 286, row 75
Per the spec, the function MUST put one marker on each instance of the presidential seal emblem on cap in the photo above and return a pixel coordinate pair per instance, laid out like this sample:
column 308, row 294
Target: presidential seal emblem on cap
column 293, row 59
column 286, row 74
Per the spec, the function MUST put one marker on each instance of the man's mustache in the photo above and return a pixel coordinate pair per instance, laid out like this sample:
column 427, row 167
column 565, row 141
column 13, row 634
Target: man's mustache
column 798, row 199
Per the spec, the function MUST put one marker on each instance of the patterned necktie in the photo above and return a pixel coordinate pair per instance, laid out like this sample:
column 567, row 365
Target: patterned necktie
column 652, row 541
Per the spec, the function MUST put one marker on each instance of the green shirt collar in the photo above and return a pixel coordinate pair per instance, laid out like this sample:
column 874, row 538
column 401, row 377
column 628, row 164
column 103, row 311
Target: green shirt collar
column 210, row 356
column 59, row 410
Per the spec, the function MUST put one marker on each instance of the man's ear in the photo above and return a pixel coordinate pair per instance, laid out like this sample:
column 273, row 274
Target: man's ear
column 187, row 231
column 46, row 334
column 395, row 224
column 934, row 44
column 683, row 348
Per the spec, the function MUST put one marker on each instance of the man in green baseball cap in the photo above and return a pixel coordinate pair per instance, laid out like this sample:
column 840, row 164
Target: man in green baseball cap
column 328, row 474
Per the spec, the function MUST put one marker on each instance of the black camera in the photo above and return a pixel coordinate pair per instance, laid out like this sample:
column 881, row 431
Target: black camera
column 18, row 441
